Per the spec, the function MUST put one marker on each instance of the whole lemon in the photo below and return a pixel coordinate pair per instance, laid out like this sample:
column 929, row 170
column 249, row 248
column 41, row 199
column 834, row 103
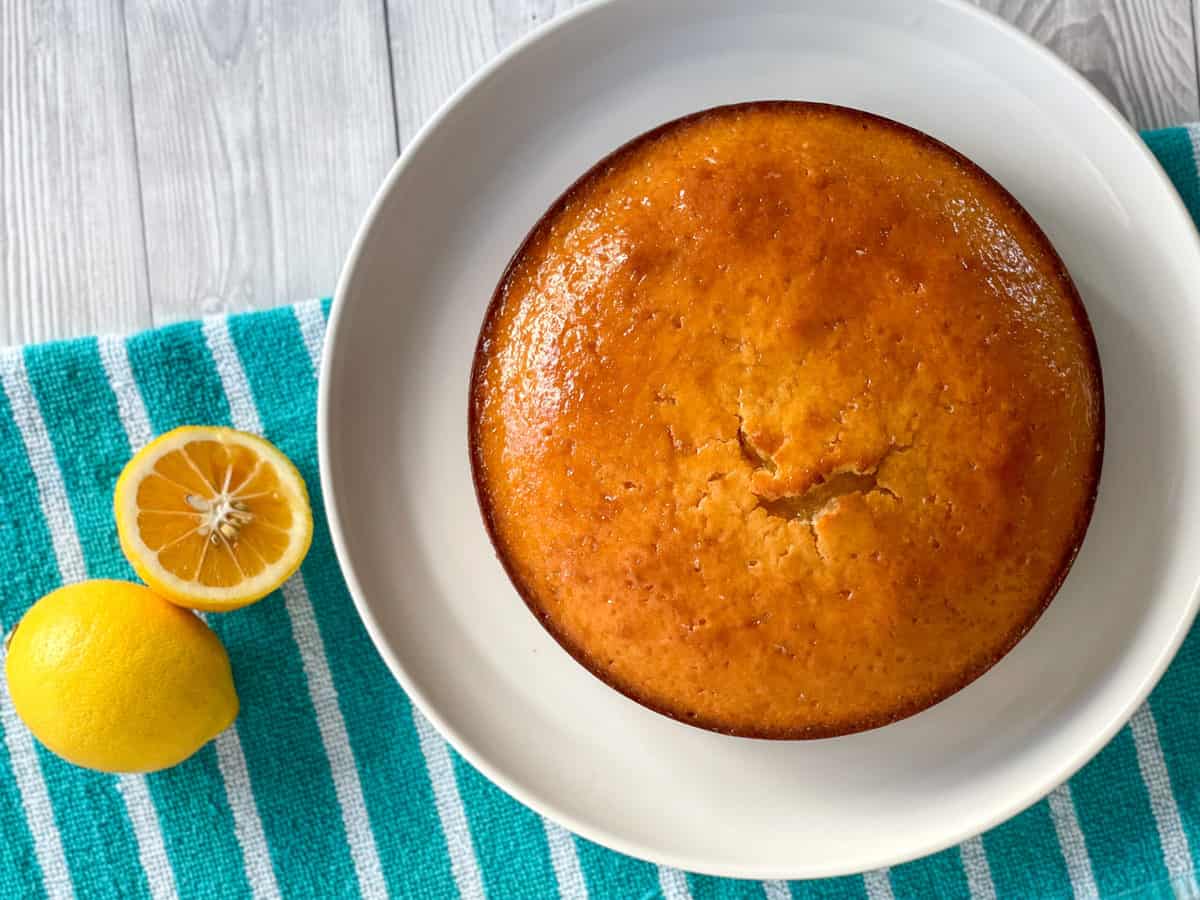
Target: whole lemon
column 111, row 676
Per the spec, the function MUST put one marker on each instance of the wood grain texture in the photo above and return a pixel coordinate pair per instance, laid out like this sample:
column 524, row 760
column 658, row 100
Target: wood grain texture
column 1141, row 54
column 437, row 45
column 169, row 158
column 263, row 129
column 71, row 256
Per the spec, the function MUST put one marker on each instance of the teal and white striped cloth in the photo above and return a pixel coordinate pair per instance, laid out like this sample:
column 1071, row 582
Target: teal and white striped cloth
column 331, row 784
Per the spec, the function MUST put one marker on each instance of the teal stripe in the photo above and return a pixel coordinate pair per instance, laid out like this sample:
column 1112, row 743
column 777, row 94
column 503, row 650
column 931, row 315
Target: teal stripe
column 1177, row 702
column 706, row 887
column 293, row 788
column 91, row 449
column 378, row 716
column 96, row 870
column 510, row 840
column 849, row 888
column 609, row 874
column 940, row 875
column 1025, row 858
column 101, row 847
column 1118, row 825
column 1173, row 147
column 197, row 826
column 1162, row 890
column 24, row 576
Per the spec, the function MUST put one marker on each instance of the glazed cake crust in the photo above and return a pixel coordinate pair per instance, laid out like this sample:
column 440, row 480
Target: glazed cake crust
column 786, row 420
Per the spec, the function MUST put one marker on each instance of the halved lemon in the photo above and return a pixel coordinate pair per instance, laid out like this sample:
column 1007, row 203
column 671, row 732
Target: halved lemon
column 212, row 518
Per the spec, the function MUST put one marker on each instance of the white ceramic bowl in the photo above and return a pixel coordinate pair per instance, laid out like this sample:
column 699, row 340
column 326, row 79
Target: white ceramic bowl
column 395, row 471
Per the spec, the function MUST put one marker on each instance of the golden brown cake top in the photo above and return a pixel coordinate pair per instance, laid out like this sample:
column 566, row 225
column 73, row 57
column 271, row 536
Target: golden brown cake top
column 786, row 420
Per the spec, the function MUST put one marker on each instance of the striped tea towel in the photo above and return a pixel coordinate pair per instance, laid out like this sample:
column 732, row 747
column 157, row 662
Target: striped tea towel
column 331, row 784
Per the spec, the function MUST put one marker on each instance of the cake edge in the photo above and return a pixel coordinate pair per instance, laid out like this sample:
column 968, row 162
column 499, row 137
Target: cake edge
column 1079, row 312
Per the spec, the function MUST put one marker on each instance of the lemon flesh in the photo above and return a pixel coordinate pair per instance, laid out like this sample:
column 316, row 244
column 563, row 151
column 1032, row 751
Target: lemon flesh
column 212, row 518
column 110, row 676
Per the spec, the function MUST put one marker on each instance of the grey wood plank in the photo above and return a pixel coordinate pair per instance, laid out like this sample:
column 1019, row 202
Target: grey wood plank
column 513, row 18
column 437, row 45
column 71, row 253
column 263, row 130
column 1141, row 54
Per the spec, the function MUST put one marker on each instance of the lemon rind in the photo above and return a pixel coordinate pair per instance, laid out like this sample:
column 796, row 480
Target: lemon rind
column 192, row 593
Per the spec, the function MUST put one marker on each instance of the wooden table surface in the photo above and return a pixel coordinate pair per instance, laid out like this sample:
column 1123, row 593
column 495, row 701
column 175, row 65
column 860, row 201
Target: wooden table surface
column 163, row 159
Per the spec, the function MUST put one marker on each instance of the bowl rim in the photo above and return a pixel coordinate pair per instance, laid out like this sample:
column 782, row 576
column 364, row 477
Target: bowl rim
column 1035, row 789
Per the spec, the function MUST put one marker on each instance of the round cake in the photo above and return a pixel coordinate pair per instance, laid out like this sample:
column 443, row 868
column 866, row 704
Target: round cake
column 786, row 420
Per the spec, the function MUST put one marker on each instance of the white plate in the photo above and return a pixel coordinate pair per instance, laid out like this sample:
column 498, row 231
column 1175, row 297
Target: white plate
column 398, row 485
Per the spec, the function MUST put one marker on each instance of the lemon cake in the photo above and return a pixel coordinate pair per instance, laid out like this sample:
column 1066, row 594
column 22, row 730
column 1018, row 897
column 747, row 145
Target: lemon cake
column 786, row 420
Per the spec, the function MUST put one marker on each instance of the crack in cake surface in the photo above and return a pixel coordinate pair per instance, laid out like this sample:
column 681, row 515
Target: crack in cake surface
column 809, row 505
column 755, row 454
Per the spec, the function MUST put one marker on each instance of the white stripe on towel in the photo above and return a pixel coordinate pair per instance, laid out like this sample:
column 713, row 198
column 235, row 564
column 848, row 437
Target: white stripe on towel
column 1193, row 132
column 312, row 329
column 247, row 826
column 776, row 890
column 336, row 741
column 565, row 860
column 152, row 850
column 878, row 883
column 463, row 864
column 321, row 691
column 231, row 760
column 1177, row 855
column 27, row 772
column 131, row 408
column 976, row 868
column 673, row 883
column 1070, row 840
column 52, row 492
